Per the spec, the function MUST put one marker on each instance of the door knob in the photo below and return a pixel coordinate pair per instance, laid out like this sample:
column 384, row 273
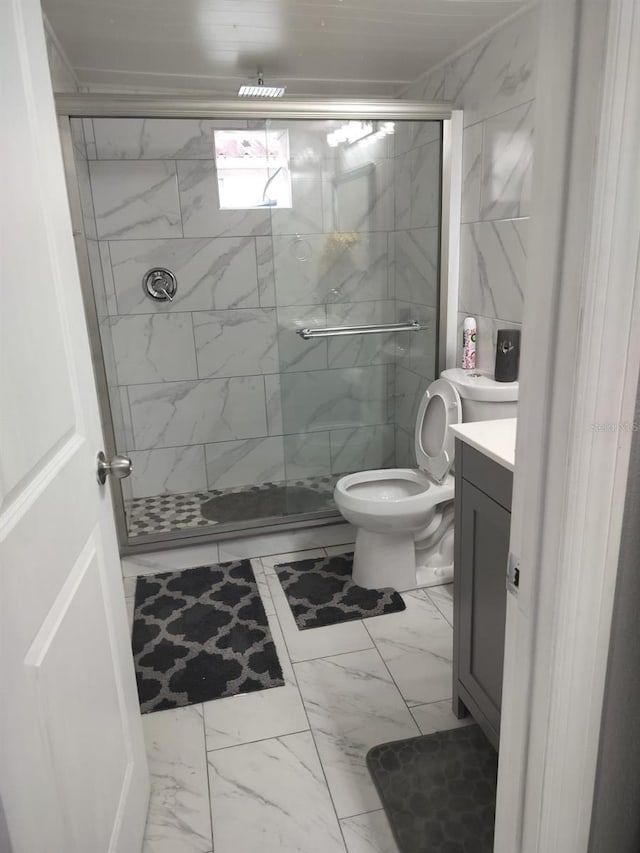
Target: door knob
column 119, row 466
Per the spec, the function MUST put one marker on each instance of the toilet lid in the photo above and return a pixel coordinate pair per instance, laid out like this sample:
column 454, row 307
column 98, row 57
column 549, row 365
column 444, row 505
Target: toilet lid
column 440, row 407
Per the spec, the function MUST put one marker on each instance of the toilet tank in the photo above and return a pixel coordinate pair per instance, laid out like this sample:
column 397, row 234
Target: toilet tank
column 483, row 399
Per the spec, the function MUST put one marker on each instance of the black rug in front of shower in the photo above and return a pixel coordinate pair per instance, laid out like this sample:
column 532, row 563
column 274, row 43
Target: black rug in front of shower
column 321, row 592
column 265, row 501
column 438, row 791
column 201, row 634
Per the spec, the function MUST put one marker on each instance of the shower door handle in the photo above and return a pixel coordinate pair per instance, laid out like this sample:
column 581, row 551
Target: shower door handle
column 119, row 467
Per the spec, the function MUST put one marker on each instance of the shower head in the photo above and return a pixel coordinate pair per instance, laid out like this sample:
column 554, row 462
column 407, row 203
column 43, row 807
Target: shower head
column 261, row 91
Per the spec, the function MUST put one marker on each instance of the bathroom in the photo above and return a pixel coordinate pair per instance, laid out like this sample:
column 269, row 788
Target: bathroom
column 270, row 287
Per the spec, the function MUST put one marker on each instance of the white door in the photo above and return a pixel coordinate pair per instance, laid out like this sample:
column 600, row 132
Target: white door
column 73, row 775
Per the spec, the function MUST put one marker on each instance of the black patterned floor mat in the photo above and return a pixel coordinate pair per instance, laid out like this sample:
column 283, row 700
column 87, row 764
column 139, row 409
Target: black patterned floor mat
column 201, row 634
column 438, row 791
column 320, row 592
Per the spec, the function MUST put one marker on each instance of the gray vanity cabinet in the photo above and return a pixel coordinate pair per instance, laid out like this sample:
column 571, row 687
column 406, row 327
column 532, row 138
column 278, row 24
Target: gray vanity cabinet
column 483, row 518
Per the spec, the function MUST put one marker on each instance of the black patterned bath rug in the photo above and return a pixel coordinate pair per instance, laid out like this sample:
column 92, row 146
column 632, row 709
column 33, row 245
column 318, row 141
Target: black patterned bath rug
column 438, row 791
column 201, row 634
column 321, row 592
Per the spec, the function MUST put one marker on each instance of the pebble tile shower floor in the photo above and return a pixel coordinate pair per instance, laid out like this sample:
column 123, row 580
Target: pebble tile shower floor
column 283, row 770
column 167, row 513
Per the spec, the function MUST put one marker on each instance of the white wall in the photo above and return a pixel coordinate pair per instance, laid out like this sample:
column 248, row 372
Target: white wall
column 494, row 83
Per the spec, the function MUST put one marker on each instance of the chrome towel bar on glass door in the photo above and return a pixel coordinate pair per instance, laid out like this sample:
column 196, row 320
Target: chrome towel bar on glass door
column 412, row 326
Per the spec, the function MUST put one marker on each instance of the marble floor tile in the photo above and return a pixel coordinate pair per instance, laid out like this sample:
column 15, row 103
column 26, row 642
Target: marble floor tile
column 368, row 833
column 264, row 714
column 352, row 705
column 416, row 646
column 250, row 717
column 271, row 797
column 315, row 642
column 263, row 587
column 438, row 717
column 442, row 597
column 179, row 818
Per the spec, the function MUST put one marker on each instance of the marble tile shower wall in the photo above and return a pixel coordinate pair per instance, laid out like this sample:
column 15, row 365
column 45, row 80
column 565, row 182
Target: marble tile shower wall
column 494, row 83
column 215, row 389
column 416, row 244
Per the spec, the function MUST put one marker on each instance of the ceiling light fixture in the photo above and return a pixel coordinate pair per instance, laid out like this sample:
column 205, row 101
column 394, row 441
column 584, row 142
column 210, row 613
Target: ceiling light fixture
column 261, row 91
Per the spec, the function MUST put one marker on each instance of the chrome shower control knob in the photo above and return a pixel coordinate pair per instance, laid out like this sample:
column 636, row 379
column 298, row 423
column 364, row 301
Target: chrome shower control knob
column 160, row 284
column 119, row 467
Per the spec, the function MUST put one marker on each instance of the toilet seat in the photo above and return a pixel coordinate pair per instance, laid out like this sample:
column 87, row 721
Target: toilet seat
column 390, row 498
column 439, row 408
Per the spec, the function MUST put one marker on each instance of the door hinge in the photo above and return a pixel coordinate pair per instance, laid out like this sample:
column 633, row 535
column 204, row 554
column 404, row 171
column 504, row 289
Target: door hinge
column 513, row 574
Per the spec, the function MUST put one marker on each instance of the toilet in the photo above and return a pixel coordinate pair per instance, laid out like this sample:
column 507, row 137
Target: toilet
column 404, row 516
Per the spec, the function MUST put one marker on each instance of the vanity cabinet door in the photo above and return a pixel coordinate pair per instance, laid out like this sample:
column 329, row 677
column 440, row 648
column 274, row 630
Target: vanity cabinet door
column 483, row 551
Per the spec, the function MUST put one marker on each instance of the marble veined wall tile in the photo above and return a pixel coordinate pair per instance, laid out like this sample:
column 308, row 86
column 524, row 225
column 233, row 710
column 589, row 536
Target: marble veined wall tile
column 417, row 350
column 97, row 279
column 409, row 390
column 319, row 268
column 471, row 172
column 405, row 453
column 153, row 348
column 357, row 350
column 330, row 399
column 243, row 463
column 266, row 273
column 274, row 403
column 107, row 275
column 507, row 160
column 362, row 448
column 174, row 414
column 157, row 138
column 240, row 342
column 361, row 200
column 168, row 471
column 498, row 73
column 493, row 267
column 295, row 352
column 211, row 274
column 305, row 216
column 200, row 205
column 413, row 134
column 417, row 181
column 135, row 199
column 307, row 455
column 416, row 265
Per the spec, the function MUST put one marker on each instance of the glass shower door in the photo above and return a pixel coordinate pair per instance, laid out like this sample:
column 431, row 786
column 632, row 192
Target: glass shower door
column 232, row 419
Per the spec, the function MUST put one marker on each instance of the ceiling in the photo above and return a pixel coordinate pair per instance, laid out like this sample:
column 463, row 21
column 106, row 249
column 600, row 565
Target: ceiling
column 329, row 48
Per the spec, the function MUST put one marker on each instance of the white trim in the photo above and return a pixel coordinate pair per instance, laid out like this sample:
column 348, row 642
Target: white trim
column 581, row 362
column 485, row 34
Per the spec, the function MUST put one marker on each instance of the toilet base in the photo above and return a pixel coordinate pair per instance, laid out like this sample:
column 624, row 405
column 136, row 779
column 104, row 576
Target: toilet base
column 384, row 559
column 398, row 561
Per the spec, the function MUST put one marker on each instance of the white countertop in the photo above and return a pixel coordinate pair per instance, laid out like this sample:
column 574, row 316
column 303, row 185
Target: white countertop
column 496, row 439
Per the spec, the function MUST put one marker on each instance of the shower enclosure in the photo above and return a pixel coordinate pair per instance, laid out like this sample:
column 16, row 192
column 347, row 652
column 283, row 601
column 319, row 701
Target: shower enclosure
column 264, row 284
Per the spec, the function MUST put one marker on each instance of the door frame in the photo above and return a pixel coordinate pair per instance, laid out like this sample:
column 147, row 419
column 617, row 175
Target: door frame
column 579, row 378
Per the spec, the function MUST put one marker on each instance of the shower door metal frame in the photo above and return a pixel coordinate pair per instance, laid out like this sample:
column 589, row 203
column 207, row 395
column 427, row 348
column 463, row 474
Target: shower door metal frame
column 81, row 105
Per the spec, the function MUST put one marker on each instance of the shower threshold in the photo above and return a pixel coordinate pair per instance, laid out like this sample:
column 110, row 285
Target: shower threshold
column 194, row 510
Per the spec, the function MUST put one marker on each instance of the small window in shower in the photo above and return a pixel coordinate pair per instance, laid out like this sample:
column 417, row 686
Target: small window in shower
column 253, row 168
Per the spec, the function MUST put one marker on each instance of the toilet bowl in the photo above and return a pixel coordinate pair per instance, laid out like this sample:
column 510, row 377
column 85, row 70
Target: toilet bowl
column 404, row 516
